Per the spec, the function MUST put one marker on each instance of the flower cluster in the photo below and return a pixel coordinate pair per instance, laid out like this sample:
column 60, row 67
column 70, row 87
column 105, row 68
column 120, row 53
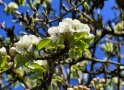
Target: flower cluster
column 26, row 43
column 69, row 27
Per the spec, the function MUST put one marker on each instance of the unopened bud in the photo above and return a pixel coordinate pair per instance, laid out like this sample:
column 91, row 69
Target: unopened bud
column 75, row 88
column 12, row 51
column 84, row 88
column 69, row 88
column 95, row 79
column 100, row 85
column 3, row 51
column 80, row 87
column 88, row 89
column 8, row 58
column 122, row 73
column 102, row 80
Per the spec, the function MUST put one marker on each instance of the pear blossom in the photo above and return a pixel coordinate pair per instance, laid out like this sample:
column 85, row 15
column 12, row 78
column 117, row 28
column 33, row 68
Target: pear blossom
column 13, row 5
column 69, row 88
column 89, row 36
column 69, row 25
column 41, row 62
column 54, row 31
column 53, row 38
column 26, row 43
column 68, row 20
column 3, row 51
column 84, row 28
column 33, row 39
column 76, row 24
column 67, row 28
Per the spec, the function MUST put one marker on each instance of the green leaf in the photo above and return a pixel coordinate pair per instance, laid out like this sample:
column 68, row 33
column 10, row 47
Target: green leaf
column 80, row 44
column 86, row 49
column 37, row 69
column 75, row 53
column 36, row 66
column 60, row 41
column 21, row 60
column 80, row 35
column 51, row 45
column 90, row 40
column 3, row 61
column 57, row 78
column 43, row 43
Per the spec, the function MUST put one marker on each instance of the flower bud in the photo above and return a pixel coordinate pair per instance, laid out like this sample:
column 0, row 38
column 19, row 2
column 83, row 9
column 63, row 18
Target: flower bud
column 3, row 51
column 75, row 88
column 101, row 88
column 8, row 58
column 12, row 51
column 84, row 88
column 87, row 88
column 80, row 87
column 102, row 80
column 12, row 5
column 69, row 88
column 122, row 73
column 97, row 87
column 95, row 79
column 100, row 85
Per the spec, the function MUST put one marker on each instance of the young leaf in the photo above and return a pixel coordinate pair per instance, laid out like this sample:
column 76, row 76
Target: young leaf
column 57, row 78
column 75, row 53
column 43, row 43
column 21, row 60
column 3, row 61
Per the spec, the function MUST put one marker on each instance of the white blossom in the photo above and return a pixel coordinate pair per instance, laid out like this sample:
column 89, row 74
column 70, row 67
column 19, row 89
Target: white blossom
column 26, row 43
column 68, row 20
column 3, row 51
column 69, row 27
column 13, row 5
column 65, row 27
column 33, row 39
column 41, row 62
column 69, row 88
column 89, row 36
column 76, row 24
column 53, row 38
column 54, row 31
column 83, row 28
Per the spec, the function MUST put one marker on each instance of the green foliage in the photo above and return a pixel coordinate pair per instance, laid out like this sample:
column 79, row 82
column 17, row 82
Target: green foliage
column 37, row 70
column 3, row 60
column 21, row 60
column 57, row 78
column 43, row 43
column 75, row 53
